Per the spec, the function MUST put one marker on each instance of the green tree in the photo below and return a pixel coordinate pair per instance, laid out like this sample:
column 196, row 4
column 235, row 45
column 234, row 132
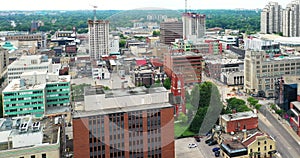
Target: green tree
column 198, row 119
column 122, row 43
column 257, row 106
column 252, row 101
column 155, row 33
column 205, row 94
column 167, row 83
column 195, row 96
column 183, row 118
column 236, row 104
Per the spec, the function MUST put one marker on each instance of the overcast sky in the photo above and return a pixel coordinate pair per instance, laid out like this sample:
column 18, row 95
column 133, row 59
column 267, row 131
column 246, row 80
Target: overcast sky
column 132, row 4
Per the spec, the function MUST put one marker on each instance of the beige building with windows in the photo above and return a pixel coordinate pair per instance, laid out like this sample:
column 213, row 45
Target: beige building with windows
column 260, row 145
column 98, row 38
column 262, row 71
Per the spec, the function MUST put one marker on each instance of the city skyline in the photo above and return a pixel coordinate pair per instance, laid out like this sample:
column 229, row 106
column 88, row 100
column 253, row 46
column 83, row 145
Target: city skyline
column 133, row 4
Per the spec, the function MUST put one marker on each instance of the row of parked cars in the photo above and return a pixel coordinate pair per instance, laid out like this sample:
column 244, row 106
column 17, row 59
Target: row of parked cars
column 209, row 142
column 212, row 142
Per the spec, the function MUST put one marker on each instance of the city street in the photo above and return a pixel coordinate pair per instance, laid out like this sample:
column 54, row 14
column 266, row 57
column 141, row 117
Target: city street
column 287, row 146
column 288, row 143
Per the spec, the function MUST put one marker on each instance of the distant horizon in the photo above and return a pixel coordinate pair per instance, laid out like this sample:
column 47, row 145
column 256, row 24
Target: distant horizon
column 65, row 5
column 125, row 10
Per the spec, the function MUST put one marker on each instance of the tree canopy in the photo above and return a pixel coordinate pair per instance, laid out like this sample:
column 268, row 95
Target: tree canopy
column 235, row 105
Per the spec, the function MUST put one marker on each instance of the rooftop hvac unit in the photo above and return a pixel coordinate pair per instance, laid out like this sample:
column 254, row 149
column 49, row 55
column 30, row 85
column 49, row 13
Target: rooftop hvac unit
column 23, row 128
column 36, row 126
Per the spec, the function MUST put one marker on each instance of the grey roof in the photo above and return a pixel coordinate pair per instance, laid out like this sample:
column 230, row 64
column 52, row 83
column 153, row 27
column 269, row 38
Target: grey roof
column 121, row 109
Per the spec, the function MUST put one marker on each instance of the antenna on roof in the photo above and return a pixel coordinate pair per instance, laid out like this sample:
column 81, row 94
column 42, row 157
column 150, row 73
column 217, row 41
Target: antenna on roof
column 95, row 8
column 185, row 9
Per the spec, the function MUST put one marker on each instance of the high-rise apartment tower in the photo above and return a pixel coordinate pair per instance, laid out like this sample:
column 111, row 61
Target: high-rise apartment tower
column 98, row 38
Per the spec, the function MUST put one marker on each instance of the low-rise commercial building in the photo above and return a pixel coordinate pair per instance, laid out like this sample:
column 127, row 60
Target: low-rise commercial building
column 241, row 138
column 239, row 121
column 217, row 68
column 28, row 138
column 27, row 64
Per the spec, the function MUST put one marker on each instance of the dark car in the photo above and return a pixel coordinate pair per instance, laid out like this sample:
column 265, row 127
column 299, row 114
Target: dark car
column 215, row 149
column 217, row 153
column 208, row 141
column 214, row 142
column 197, row 138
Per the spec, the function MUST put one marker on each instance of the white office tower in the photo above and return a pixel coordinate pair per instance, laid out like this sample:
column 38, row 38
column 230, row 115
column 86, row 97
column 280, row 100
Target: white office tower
column 291, row 20
column 271, row 18
column 98, row 38
column 194, row 26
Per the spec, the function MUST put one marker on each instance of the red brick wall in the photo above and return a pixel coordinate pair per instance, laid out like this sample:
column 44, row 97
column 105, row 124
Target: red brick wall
column 126, row 135
column 81, row 138
column 106, row 132
column 167, row 132
column 250, row 123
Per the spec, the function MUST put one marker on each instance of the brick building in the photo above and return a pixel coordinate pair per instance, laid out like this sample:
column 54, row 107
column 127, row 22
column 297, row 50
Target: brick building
column 295, row 114
column 124, row 123
column 239, row 121
column 189, row 64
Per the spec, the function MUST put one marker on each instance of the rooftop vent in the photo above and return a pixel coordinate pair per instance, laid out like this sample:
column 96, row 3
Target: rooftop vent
column 36, row 126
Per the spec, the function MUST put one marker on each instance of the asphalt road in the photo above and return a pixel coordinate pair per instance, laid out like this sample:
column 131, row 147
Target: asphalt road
column 287, row 146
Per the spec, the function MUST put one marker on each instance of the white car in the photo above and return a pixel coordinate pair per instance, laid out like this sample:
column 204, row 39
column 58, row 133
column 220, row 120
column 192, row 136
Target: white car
column 192, row 145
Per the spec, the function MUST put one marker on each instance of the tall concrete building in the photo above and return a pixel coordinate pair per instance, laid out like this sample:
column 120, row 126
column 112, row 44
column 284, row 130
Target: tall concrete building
column 169, row 31
column 291, row 20
column 98, row 38
column 4, row 60
column 124, row 123
column 271, row 19
column 194, row 25
column 262, row 72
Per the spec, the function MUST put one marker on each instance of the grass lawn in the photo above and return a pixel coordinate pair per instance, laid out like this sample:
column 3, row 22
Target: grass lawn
column 182, row 130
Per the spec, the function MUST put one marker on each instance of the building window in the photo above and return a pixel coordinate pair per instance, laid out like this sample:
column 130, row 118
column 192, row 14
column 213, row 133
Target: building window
column 270, row 146
column 258, row 143
column 265, row 142
column 44, row 156
column 32, row 156
column 265, row 147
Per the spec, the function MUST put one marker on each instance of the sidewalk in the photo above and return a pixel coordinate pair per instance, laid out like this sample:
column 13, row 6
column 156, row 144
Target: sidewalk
column 287, row 126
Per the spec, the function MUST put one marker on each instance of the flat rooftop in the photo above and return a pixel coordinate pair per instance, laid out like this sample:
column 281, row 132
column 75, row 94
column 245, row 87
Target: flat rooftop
column 226, row 61
column 121, row 109
column 184, row 54
column 123, row 92
column 14, row 85
column 27, row 131
column 25, row 61
column 239, row 116
column 296, row 104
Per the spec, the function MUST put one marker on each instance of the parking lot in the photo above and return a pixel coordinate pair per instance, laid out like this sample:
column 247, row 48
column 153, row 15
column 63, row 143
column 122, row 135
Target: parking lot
column 202, row 151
